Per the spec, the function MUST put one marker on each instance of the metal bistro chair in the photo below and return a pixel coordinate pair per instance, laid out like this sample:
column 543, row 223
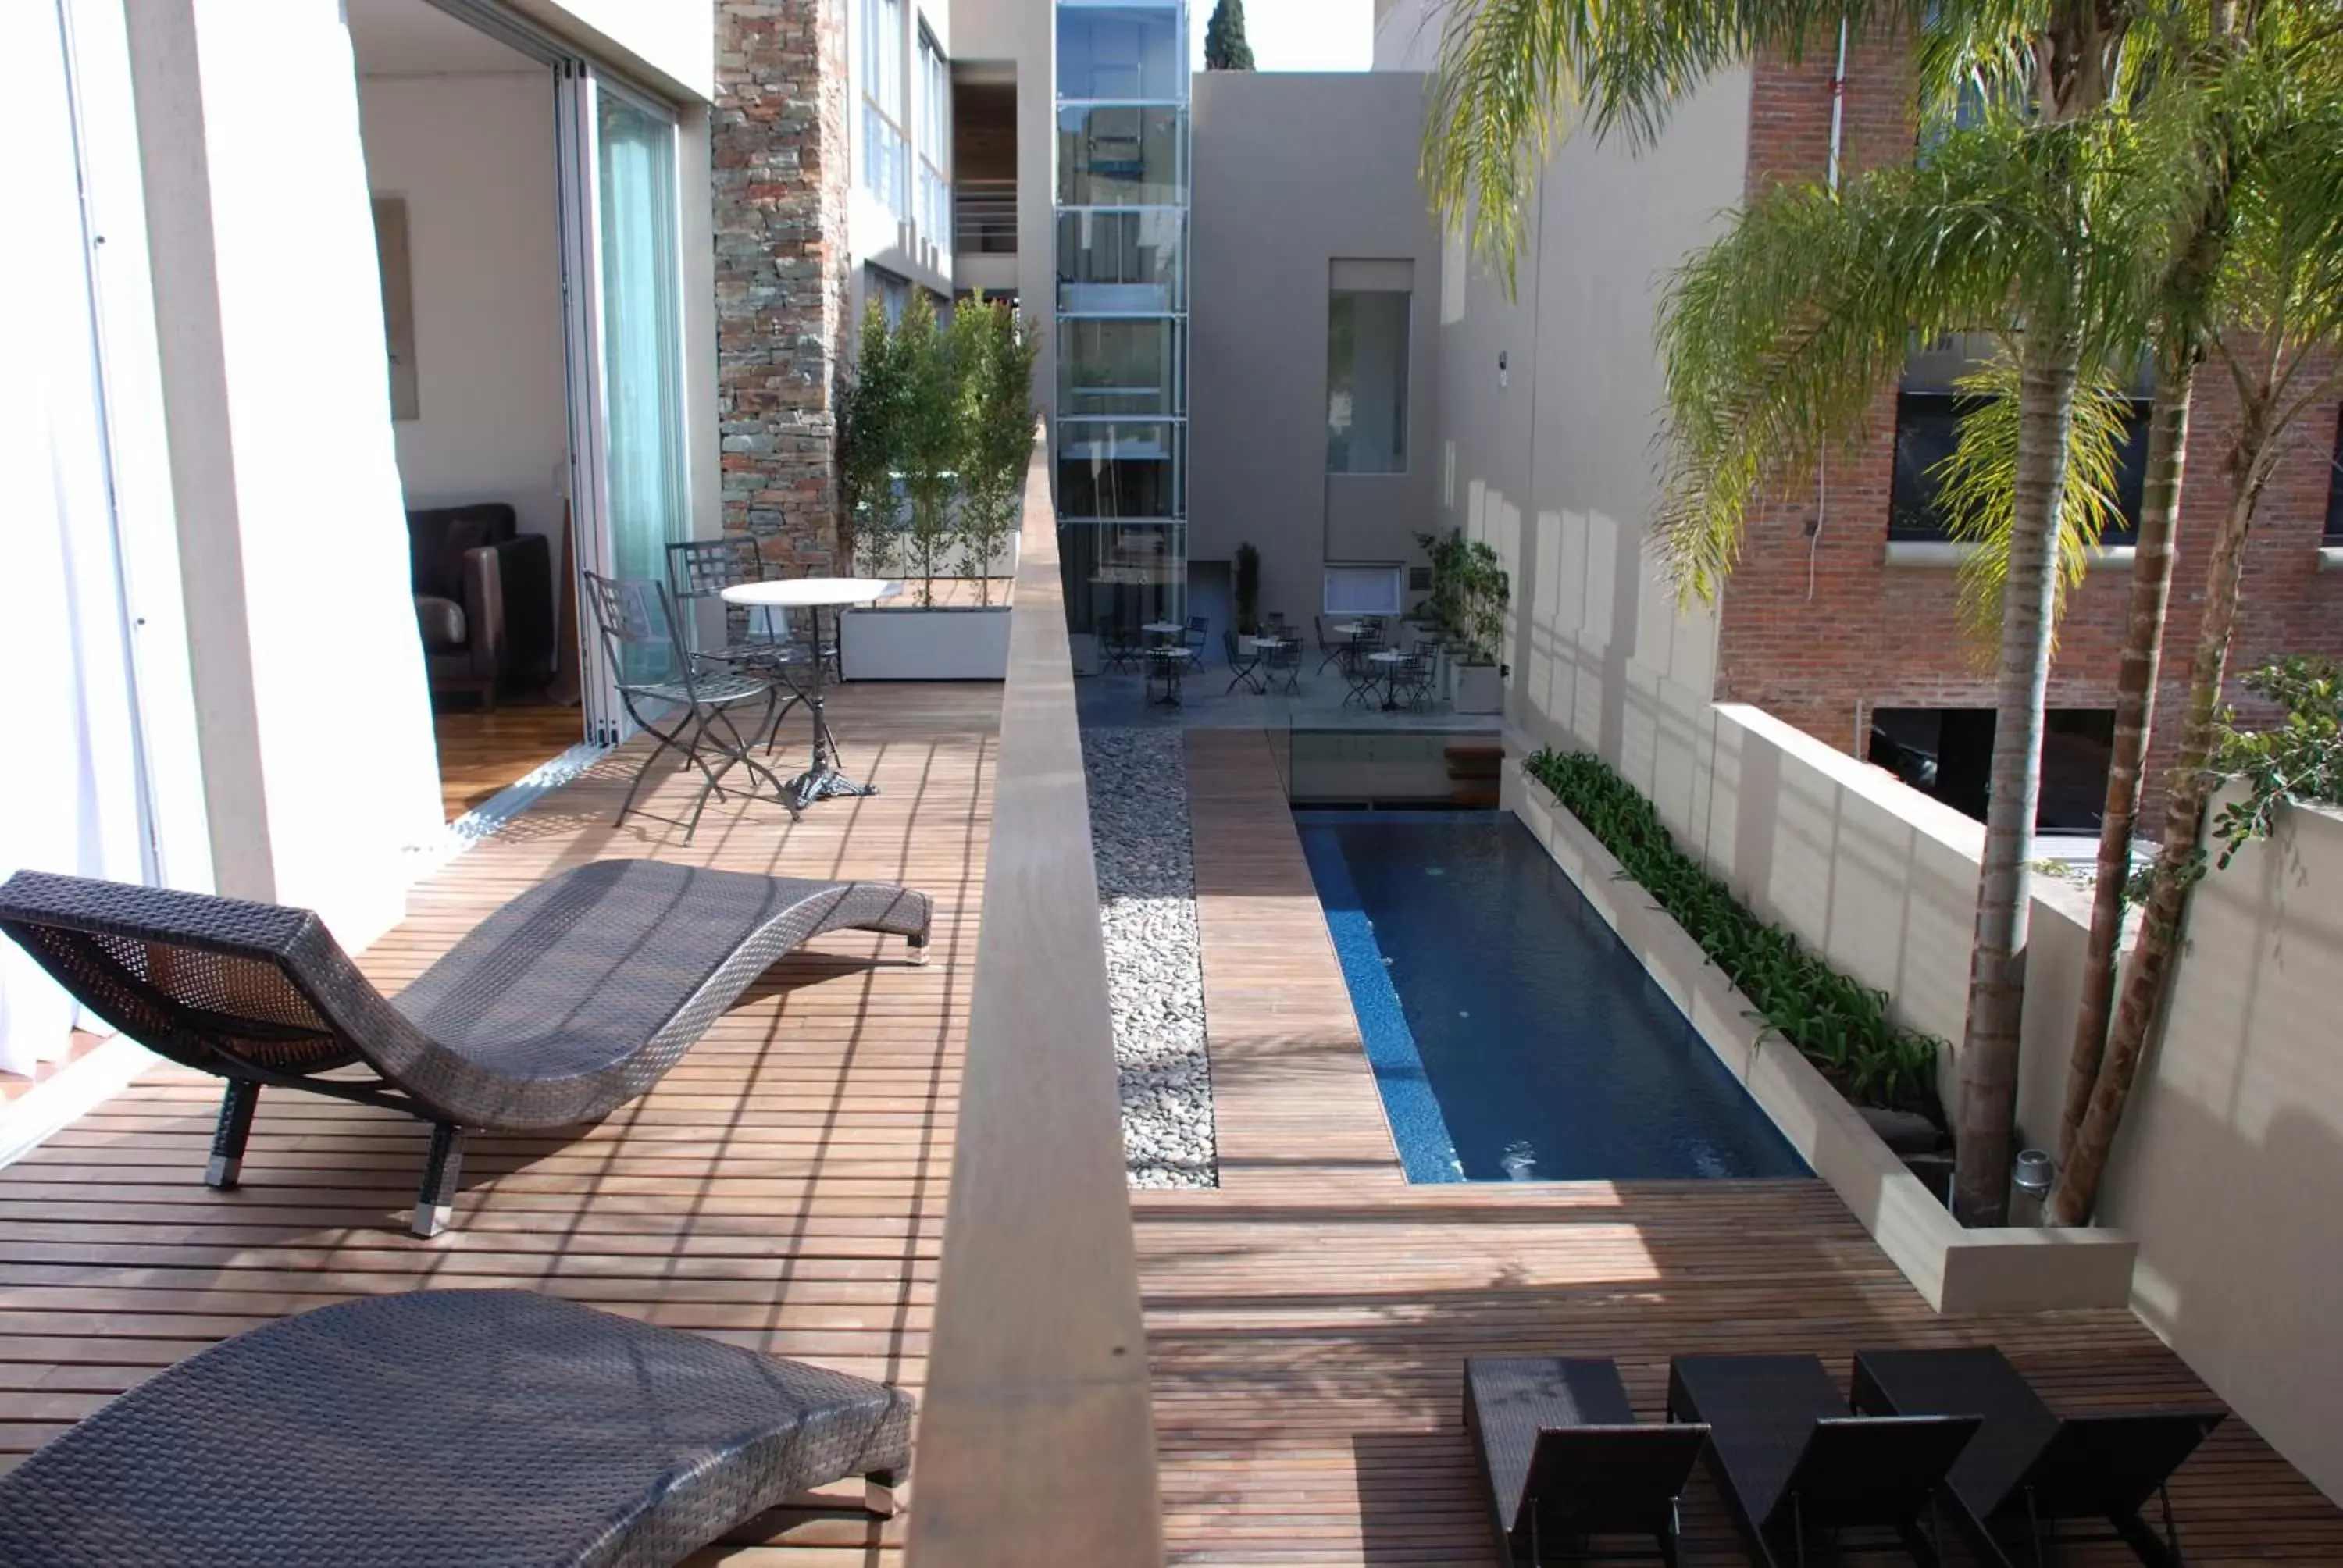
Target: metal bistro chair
column 1281, row 666
column 699, row 571
column 1243, row 663
column 1412, row 681
column 637, row 622
column 1199, row 629
column 1118, row 645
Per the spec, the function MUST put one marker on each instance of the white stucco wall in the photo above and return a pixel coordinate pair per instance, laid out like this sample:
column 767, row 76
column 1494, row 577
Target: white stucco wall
column 1294, row 172
column 319, row 757
column 473, row 156
column 669, row 43
column 2229, row 1166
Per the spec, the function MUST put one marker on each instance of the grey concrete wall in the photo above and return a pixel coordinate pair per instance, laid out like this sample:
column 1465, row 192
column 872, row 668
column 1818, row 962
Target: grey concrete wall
column 1292, row 173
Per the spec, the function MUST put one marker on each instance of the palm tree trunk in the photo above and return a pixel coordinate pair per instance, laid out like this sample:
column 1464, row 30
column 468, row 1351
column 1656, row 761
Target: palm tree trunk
column 2178, row 864
column 2151, row 590
column 2046, row 373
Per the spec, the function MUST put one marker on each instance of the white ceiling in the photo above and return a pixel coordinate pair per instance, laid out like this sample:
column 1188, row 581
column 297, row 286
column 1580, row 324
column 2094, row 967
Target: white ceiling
column 415, row 38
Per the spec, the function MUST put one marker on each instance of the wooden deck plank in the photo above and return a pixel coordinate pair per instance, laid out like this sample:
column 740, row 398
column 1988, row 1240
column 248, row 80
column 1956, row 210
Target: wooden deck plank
column 1294, row 1105
column 783, row 1188
column 1308, row 1322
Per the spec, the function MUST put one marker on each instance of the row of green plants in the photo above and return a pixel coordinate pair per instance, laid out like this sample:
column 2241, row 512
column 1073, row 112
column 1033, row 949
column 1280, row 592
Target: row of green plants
column 1842, row 1026
column 935, row 427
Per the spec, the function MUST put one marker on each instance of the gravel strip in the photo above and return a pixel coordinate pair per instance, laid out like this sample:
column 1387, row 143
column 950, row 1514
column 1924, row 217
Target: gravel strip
column 1154, row 970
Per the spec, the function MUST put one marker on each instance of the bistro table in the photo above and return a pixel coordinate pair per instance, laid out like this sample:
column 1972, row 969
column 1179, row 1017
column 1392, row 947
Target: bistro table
column 814, row 595
column 1388, row 663
column 1164, row 628
column 1166, row 664
column 1250, row 675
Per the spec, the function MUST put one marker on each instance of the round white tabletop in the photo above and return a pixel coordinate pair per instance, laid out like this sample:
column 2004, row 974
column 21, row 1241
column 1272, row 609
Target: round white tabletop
column 1170, row 653
column 1389, row 655
column 1269, row 642
column 797, row 593
column 1163, row 627
column 1350, row 628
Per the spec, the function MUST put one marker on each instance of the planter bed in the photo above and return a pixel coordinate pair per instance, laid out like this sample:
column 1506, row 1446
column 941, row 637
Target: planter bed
column 1957, row 1270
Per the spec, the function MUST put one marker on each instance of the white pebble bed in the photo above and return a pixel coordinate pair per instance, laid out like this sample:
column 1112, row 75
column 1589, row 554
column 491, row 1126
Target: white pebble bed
column 1147, row 913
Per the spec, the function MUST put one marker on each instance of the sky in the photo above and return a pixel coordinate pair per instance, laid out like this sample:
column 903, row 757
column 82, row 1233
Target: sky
column 1300, row 34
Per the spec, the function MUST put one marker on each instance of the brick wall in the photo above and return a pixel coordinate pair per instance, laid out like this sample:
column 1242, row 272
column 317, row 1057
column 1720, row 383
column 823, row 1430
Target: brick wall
column 778, row 145
column 1817, row 629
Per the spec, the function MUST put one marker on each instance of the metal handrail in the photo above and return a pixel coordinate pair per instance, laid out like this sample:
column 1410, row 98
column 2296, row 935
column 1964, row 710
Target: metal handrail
column 1036, row 1423
column 984, row 216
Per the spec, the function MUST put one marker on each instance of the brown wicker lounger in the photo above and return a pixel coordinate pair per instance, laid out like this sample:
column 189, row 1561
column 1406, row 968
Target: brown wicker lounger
column 491, row 1428
column 1565, row 1460
column 2028, row 1469
column 568, row 1003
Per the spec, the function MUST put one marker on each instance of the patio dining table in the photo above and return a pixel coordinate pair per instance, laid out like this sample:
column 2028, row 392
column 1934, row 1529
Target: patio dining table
column 821, row 779
column 1166, row 664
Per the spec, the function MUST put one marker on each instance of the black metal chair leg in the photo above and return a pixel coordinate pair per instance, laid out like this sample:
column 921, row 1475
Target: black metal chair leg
column 226, row 1167
column 2156, row 1550
column 435, row 1199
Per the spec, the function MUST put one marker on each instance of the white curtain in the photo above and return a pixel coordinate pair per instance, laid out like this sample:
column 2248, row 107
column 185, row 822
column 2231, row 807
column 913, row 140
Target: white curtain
column 69, row 789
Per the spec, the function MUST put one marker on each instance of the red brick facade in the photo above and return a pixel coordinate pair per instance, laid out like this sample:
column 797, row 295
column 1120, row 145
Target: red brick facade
column 1818, row 630
column 778, row 145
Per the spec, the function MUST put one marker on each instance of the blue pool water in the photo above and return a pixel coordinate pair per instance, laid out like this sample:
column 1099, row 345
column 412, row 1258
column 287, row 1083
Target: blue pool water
column 1514, row 1036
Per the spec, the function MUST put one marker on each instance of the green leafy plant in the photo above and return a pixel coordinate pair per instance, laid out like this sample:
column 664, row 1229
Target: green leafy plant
column 1469, row 594
column 993, row 352
column 2298, row 759
column 1248, row 590
column 931, row 436
column 871, row 416
column 1839, row 1024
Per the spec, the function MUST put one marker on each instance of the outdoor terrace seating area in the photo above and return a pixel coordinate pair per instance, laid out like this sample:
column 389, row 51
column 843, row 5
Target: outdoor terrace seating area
column 783, row 1188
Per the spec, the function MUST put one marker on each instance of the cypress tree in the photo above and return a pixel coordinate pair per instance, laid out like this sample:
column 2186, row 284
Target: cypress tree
column 1225, row 48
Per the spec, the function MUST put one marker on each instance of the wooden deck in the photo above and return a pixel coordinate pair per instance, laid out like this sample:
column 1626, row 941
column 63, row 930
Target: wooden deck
column 1308, row 1323
column 784, row 1187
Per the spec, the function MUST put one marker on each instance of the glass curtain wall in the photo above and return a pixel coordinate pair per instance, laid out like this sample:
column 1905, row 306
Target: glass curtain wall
column 1121, row 231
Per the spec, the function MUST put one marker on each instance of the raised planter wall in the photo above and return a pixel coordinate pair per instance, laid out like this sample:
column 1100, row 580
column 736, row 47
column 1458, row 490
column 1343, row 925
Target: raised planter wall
column 947, row 643
column 1957, row 1270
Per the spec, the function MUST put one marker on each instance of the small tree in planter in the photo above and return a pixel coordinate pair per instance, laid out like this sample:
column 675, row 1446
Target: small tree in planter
column 871, row 415
column 994, row 353
column 1470, row 593
column 1248, row 590
column 930, row 437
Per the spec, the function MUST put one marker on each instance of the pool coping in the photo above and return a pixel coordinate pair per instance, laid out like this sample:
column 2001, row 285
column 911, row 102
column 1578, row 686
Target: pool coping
column 1955, row 1269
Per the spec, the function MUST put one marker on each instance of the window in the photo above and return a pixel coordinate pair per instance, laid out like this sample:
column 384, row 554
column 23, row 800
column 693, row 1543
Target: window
column 1366, row 377
column 1119, row 469
column 1121, row 263
column 893, row 293
column 1122, row 54
column 1119, row 155
column 886, row 155
column 935, row 140
column 1948, row 752
column 2334, row 534
column 1119, row 366
column 1928, row 412
column 1363, row 589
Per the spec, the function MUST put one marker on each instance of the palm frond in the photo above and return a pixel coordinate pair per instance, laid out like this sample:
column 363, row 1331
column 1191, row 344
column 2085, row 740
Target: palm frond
column 1979, row 484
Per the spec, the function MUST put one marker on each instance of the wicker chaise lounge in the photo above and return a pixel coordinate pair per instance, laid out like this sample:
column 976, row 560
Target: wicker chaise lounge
column 2028, row 1470
column 1567, row 1460
column 568, row 1003
column 491, row 1428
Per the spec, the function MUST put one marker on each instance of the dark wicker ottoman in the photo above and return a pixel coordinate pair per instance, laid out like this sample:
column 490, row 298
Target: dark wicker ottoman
column 445, row 1428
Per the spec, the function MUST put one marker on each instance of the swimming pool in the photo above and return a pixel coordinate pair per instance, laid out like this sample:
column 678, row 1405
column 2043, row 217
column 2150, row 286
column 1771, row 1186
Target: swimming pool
column 1514, row 1036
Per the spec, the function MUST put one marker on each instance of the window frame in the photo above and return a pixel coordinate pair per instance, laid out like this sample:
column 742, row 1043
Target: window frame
column 1405, row 382
column 886, row 144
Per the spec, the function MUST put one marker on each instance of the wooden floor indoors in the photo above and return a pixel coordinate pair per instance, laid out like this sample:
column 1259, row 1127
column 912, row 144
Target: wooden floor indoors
column 483, row 751
column 784, row 1187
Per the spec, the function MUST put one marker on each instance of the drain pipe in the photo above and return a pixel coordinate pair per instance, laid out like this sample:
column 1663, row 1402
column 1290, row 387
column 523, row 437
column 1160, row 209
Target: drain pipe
column 1838, row 139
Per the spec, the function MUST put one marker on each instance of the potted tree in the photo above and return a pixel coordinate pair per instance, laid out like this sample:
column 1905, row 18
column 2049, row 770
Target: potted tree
column 1247, row 595
column 938, row 423
column 1470, row 593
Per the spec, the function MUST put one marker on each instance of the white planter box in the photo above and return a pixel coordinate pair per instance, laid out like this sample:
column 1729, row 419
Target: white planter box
column 1479, row 688
column 956, row 643
column 1999, row 1270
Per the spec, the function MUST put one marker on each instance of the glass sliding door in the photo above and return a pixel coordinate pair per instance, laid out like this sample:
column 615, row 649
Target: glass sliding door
column 642, row 405
column 620, row 265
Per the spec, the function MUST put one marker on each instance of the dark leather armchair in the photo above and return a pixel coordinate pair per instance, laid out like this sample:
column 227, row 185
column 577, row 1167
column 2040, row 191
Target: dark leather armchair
column 483, row 598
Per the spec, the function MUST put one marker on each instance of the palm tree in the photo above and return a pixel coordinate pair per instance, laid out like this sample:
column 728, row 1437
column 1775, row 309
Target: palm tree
column 1764, row 380
column 2237, row 74
column 2275, row 318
